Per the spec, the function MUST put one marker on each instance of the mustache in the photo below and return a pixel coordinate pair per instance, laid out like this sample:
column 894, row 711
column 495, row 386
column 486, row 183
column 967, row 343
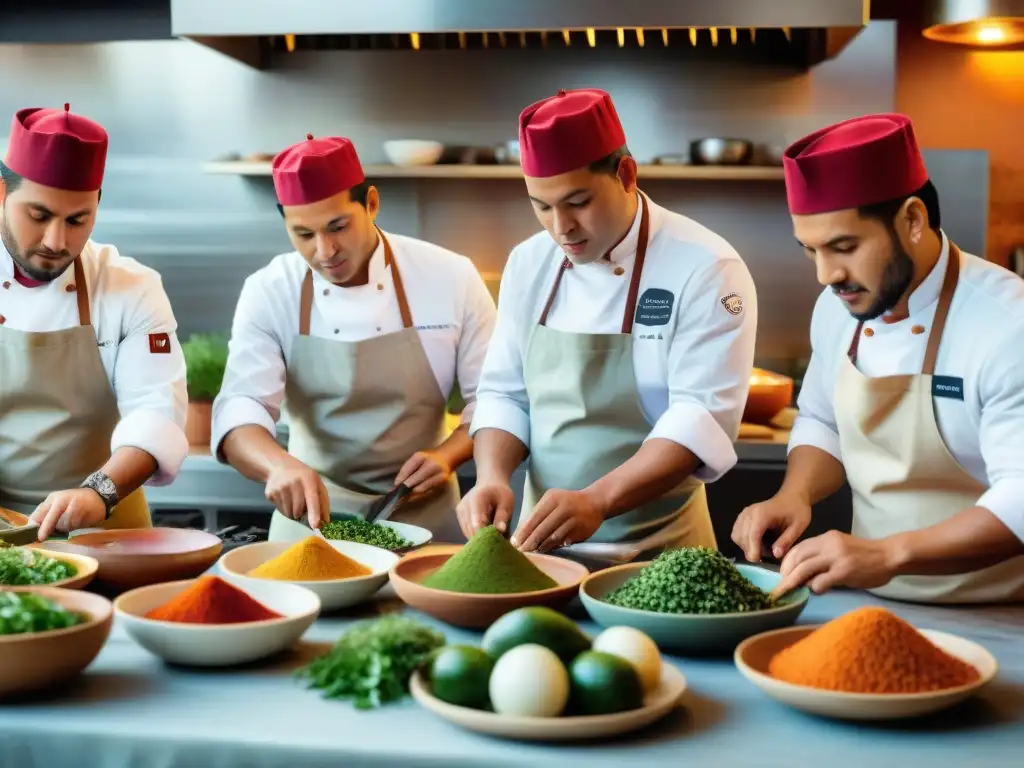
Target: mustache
column 48, row 254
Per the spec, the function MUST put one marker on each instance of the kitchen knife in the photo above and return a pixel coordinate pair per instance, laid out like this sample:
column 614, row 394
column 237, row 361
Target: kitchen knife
column 388, row 503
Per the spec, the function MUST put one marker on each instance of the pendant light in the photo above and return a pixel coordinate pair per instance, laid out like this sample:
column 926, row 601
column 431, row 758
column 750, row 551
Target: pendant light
column 981, row 24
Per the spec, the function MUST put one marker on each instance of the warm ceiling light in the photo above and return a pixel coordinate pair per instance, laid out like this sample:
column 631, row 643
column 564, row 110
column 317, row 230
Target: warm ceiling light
column 978, row 23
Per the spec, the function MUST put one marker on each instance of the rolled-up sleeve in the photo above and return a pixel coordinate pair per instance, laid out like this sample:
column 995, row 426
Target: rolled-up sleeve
column 149, row 383
column 815, row 423
column 1002, row 425
column 254, row 379
column 478, row 320
column 709, row 365
column 501, row 399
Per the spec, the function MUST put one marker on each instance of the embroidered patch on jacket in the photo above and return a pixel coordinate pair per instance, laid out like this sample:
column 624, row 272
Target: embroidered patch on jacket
column 654, row 307
column 948, row 386
column 733, row 303
column 159, row 343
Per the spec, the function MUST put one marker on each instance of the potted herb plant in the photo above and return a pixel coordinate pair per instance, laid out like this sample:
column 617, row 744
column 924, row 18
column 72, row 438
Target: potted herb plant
column 206, row 356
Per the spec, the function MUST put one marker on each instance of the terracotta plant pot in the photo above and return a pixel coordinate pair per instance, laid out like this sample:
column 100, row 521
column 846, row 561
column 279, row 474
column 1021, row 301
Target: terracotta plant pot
column 198, row 423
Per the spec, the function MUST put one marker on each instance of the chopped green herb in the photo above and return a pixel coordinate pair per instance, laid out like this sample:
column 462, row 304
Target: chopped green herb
column 373, row 660
column 21, row 566
column 364, row 533
column 690, row 580
column 23, row 612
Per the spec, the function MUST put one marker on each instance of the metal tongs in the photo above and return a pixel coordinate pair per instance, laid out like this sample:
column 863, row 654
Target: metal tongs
column 387, row 504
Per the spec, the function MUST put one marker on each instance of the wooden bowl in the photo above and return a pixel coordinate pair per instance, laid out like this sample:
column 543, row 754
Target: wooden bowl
column 475, row 611
column 40, row 660
column 16, row 528
column 136, row 557
column 85, row 569
column 769, row 394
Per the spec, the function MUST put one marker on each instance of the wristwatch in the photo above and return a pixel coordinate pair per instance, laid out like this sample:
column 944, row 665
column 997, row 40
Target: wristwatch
column 106, row 489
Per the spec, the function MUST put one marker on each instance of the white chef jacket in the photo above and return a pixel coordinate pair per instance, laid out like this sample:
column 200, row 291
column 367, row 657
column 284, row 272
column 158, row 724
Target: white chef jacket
column 128, row 304
column 451, row 308
column 982, row 343
column 692, row 372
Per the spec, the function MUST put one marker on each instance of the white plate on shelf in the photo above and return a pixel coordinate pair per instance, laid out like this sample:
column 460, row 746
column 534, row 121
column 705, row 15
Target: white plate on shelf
column 657, row 704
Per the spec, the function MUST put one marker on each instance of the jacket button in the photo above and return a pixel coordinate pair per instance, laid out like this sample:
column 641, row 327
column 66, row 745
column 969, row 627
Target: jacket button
column 326, row 291
column 70, row 288
column 869, row 332
column 7, row 285
column 380, row 286
column 2, row 319
column 619, row 271
column 917, row 330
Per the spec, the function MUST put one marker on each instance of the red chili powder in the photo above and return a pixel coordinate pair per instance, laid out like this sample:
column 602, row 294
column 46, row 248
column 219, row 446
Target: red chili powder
column 211, row 600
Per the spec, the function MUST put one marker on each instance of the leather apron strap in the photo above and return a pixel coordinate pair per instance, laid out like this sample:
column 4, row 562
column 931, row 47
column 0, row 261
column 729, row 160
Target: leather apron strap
column 634, row 280
column 306, row 297
column 82, row 294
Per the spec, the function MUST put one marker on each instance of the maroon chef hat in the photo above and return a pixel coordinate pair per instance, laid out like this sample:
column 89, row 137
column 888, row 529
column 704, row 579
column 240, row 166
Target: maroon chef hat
column 316, row 169
column 857, row 162
column 568, row 131
column 57, row 148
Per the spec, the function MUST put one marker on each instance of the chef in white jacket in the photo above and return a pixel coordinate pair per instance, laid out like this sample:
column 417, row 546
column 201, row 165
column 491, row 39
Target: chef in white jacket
column 359, row 334
column 915, row 389
column 621, row 359
column 92, row 379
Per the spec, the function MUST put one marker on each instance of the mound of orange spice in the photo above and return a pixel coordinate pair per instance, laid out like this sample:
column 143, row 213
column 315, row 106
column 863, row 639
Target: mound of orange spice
column 870, row 650
column 211, row 600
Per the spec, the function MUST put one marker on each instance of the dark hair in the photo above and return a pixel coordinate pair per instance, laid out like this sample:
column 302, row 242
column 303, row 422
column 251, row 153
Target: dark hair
column 11, row 180
column 886, row 211
column 357, row 194
column 610, row 163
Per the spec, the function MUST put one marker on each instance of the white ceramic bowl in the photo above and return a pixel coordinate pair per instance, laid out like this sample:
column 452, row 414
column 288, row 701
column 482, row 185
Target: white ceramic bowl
column 416, row 536
column 413, row 151
column 754, row 653
column 223, row 645
column 333, row 593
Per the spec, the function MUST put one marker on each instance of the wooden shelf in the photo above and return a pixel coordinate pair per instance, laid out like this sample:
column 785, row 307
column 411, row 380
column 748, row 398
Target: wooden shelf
column 680, row 172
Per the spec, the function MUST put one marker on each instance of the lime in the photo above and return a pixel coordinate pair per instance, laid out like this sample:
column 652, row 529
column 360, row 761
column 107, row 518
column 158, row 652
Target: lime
column 459, row 675
column 538, row 625
column 601, row 684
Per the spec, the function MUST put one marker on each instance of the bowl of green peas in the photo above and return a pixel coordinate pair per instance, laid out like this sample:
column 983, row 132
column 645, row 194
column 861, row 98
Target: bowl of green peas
column 48, row 636
column 399, row 538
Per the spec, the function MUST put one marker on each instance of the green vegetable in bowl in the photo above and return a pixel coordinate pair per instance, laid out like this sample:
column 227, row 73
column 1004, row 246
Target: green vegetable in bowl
column 23, row 612
column 363, row 532
column 373, row 660
column 25, row 567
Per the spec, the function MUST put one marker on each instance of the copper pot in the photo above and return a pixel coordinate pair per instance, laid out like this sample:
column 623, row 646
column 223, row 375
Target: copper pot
column 769, row 394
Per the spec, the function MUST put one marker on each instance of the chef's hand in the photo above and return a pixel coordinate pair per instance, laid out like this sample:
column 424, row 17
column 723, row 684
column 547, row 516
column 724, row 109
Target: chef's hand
column 782, row 513
column 297, row 490
column 423, row 472
column 68, row 511
column 837, row 559
column 559, row 519
column 483, row 505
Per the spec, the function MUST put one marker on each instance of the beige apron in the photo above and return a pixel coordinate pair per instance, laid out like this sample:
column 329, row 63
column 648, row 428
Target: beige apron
column 902, row 475
column 585, row 421
column 57, row 414
column 358, row 411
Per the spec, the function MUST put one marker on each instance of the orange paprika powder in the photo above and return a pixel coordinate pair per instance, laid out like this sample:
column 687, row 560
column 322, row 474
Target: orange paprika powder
column 211, row 600
column 870, row 650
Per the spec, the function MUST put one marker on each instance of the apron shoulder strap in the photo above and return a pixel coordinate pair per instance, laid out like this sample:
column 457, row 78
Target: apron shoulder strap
column 306, row 303
column 566, row 264
column 396, row 279
column 82, row 294
column 949, row 282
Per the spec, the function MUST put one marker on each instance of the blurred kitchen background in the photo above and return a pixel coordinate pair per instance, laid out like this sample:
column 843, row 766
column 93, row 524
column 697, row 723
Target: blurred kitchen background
column 193, row 122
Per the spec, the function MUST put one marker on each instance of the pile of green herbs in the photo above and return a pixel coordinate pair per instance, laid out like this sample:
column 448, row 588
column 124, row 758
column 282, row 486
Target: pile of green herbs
column 694, row 580
column 24, row 612
column 363, row 532
column 372, row 661
column 21, row 566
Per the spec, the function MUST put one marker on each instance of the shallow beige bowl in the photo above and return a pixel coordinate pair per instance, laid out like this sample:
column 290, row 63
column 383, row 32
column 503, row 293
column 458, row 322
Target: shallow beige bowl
column 40, row 660
column 657, row 704
column 333, row 593
column 85, row 569
column 752, row 657
column 474, row 611
column 16, row 528
column 222, row 645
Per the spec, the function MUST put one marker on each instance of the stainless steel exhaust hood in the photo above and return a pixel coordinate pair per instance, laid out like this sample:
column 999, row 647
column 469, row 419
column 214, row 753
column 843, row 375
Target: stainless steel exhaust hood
column 803, row 32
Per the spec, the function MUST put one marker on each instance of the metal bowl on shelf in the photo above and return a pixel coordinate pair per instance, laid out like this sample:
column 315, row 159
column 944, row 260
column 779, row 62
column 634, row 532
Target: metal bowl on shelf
column 721, row 151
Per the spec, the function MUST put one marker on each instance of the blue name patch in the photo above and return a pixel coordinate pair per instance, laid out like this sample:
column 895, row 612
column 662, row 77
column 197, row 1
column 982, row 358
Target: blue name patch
column 948, row 386
column 654, row 307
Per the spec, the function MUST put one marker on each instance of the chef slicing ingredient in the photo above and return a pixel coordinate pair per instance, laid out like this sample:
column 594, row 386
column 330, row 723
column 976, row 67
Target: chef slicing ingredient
column 915, row 390
column 92, row 378
column 362, row 335
column 621, row 358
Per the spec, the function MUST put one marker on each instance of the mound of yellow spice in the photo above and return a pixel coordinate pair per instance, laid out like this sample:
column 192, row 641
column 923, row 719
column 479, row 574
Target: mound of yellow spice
column 311, row 559
column 870, row 650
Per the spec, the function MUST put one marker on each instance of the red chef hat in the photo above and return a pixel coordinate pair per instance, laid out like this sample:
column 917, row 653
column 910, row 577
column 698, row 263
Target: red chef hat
column 857, row 162
column 57, row 148
column 568, row 131
column 316, row 169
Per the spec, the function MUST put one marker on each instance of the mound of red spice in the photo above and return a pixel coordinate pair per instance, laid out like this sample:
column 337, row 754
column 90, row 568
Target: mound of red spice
column 870, row 650
column 211, row 600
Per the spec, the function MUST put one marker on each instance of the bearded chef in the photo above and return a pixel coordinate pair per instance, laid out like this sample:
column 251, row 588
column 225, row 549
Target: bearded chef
column 915, row 389
column 621, row 358
column 92, row 379
column 360, row 334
